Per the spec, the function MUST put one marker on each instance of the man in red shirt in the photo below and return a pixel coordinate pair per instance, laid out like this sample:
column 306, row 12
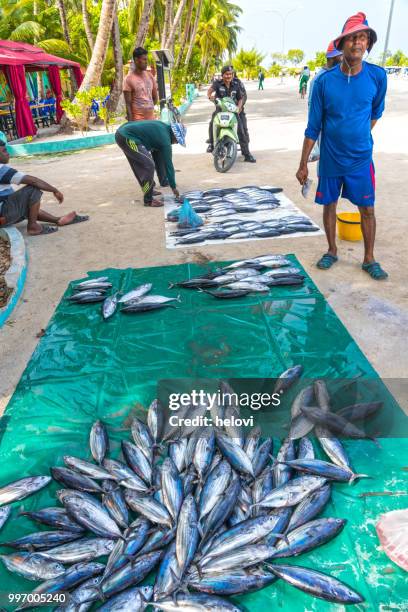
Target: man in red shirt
column 140, row 89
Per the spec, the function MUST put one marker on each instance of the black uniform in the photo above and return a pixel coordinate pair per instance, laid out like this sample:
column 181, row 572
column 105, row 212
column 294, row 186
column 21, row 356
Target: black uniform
column 237, row 92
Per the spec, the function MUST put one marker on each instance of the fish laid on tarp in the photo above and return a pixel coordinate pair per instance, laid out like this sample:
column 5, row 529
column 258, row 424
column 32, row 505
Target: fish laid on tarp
column 135, row 293
column 317, row 584
column 19, row 489
column 212, row 510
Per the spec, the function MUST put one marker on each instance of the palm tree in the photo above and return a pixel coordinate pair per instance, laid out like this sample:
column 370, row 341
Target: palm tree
column 217, row 31
column 194, row 32
column 87, row 24
column 167, row 21
column 116, row 87
column 64, row 23
column 94, row 71
column 187, row 26
column 174, row 25
column 144, row 22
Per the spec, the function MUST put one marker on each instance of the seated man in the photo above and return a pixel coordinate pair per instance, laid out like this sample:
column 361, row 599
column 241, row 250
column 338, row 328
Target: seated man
column 26, row 202
column 138, row 140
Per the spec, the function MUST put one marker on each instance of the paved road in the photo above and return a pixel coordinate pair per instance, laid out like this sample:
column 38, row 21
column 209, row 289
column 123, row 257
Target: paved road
column 123, row 233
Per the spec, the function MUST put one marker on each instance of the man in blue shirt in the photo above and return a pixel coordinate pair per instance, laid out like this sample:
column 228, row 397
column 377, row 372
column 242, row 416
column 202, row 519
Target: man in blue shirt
column 346, row 103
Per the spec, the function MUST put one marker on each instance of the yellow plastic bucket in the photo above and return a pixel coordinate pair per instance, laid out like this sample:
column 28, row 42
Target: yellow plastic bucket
column 349, row 226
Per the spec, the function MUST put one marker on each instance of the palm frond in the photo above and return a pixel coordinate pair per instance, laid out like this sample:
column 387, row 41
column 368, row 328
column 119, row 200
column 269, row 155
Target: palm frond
column 61, row 49
column 27, row 31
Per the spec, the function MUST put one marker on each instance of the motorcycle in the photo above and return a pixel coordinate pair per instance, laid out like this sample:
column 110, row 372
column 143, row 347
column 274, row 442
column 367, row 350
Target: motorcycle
column 225, row 131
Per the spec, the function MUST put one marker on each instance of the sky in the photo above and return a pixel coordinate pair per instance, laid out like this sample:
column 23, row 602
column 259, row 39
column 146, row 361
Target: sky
column 314, row 23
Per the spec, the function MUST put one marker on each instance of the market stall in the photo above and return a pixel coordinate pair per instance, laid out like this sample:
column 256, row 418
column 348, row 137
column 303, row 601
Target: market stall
column 16, row 59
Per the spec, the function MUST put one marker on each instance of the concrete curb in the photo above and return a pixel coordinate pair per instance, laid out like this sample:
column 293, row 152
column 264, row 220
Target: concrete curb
column 61, row 146
column 17, row 273
column 74, row 144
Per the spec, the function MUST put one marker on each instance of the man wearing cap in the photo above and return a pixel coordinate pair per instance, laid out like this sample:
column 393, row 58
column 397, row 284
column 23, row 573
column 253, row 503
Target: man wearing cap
column 138, row 140
column 346, row 103
column 231, row 87
column 333, row 57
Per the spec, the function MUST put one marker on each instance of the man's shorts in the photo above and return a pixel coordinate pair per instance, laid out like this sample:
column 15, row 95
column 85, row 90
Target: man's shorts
column 16, row 206
column 359, row 187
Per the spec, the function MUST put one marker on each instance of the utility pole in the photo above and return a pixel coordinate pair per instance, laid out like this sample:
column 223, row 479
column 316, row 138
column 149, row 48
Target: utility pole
column 387, row 36
column 284, row 18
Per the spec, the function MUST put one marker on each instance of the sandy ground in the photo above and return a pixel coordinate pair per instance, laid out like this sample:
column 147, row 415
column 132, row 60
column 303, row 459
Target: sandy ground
column 122, row 233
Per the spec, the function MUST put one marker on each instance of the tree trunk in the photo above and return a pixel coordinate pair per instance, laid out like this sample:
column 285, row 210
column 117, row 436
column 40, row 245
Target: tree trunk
column 167, row 21
column 87, row 25
column 144, row 22
column 172, row 33
column 187, row 25
column 94, row 71
column 116, row 88
column 194, row 32
column 64, row 22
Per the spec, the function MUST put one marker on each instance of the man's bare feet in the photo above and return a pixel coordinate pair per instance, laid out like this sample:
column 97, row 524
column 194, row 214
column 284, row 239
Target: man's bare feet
column 67, row 219
column 36, row 229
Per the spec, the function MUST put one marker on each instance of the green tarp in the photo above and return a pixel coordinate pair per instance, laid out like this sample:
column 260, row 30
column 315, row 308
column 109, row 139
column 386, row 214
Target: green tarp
column 85, row 368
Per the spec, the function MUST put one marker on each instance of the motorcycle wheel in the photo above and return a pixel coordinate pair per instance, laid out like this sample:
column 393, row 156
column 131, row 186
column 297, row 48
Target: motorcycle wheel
column 225, row 154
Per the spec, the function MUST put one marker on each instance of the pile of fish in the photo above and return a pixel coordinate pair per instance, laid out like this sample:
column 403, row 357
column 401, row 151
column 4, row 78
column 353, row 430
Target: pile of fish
column 255, row 275
column 137, row 300
column 221, row 209
column 223, row 202
column 241, row 229
column 206, row 508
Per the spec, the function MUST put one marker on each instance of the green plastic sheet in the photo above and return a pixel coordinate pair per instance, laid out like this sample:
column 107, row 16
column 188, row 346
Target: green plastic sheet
column 85, row 368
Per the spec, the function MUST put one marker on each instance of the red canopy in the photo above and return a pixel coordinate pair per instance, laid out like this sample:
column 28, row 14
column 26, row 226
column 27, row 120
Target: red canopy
column 15, row 59
column 18, row 53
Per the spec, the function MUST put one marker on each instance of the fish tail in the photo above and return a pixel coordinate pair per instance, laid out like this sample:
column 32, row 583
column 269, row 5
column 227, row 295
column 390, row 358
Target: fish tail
column 171, row 285
column 178, row 298
column 376, row 442
column 356, row 476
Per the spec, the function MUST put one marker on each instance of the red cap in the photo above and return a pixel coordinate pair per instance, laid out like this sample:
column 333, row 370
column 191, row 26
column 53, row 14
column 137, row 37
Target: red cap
column 332, row 51
column 356, row 23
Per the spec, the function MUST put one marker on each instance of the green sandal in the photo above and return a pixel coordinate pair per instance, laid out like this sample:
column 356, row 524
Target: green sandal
column 326, row 261
column 375, row 270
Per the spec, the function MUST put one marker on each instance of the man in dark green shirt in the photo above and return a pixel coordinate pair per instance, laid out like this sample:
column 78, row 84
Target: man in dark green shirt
column 138, row 140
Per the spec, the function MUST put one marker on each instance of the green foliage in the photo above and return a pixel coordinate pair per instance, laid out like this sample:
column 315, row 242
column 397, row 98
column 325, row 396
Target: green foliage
column 27, row 31
column 397, row 59
column 248, row 63
column 312, row 65
column 279, row 58
column 320, row 59
column 78, row 110
column 275, row 70
column 295, row 56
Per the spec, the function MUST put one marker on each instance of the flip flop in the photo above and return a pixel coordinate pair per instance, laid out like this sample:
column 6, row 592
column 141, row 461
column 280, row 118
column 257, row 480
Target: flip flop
column 76, row 219
column 156, row 193
column 154, row 204
column 46, row 229
column 375, row 270
column 326, row 261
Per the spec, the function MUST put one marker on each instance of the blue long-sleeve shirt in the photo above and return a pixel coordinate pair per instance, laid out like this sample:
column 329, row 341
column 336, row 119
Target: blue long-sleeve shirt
column 342, row 110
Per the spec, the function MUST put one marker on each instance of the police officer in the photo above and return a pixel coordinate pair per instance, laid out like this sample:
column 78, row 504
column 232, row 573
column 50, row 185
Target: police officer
column 230, row 86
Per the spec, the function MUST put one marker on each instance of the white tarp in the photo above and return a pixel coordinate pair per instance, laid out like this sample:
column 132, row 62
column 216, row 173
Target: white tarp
column 286, row 209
